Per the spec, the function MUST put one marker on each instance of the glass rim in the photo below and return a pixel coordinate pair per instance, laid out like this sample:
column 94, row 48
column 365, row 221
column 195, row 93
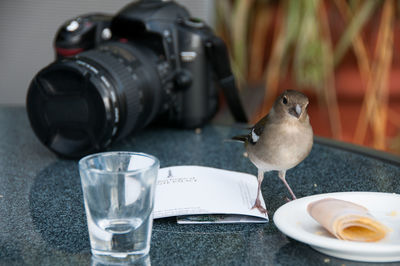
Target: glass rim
column 83, row 166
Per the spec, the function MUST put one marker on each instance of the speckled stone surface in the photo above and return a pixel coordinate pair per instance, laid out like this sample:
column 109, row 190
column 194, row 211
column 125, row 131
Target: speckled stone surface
column 42, row 219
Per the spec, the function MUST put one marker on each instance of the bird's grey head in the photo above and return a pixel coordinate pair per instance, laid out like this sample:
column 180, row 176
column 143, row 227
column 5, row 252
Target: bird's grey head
column 292, row 103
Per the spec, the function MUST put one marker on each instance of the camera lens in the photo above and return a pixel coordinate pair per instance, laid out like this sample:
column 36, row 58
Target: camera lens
column 80, row 105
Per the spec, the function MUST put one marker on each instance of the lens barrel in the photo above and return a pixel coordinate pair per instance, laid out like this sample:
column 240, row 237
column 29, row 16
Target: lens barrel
column 79, row 105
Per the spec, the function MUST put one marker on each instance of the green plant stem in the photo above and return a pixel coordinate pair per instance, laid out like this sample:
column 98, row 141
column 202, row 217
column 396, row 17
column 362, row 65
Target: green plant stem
column 355, row 26
column 239, row 22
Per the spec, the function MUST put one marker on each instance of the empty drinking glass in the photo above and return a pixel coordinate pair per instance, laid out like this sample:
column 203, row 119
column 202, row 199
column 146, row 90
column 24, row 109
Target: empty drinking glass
column 118, row 190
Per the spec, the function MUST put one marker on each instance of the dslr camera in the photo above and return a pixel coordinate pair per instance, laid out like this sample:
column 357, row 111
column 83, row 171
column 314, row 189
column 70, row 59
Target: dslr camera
column 116, row 74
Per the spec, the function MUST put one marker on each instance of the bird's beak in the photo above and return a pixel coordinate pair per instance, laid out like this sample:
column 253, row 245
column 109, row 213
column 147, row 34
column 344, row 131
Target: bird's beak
column 295, row 111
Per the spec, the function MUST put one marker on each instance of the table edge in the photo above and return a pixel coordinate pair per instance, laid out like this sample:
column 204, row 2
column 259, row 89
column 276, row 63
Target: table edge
column 376, row 154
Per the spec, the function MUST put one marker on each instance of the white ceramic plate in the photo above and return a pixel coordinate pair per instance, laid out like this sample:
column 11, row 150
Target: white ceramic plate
column 294, row 221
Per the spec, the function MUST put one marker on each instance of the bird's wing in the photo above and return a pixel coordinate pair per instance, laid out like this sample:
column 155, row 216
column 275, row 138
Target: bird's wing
column 257, row 130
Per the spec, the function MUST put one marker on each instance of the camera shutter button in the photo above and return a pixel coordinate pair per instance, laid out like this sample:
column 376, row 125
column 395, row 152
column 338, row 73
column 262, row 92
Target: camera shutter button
column 72, row 26
column 194, row 22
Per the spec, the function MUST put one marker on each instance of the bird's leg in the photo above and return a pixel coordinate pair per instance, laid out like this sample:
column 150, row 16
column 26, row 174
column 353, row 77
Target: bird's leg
column 282, row 176
column 257, row 204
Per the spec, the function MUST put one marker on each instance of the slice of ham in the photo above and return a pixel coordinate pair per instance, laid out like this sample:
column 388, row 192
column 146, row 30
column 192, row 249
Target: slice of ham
column 346, row 220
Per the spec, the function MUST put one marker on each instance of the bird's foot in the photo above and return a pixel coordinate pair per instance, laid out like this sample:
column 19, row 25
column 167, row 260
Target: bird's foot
column 257, row 205
column 289, row 200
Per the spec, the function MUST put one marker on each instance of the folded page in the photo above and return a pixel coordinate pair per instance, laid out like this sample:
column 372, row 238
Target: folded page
column 346, row 220
column 194, row 190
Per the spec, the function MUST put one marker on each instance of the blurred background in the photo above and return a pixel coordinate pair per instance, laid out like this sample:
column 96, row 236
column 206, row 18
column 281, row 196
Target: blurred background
column 343, row 54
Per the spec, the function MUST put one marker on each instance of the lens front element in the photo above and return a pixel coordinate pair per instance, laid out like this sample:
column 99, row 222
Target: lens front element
column 80, row 105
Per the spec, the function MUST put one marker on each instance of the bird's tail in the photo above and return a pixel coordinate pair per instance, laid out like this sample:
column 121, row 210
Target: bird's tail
column 241, row 138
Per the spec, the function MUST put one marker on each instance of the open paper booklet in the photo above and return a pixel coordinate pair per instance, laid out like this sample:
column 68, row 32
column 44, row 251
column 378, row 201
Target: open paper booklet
column 198, row 194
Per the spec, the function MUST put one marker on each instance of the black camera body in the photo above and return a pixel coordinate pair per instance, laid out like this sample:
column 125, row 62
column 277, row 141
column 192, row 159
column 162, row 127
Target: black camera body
column 116, row 74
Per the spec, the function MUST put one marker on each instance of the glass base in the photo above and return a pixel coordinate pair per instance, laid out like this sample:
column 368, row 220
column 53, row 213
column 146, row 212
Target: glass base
column 116, row 258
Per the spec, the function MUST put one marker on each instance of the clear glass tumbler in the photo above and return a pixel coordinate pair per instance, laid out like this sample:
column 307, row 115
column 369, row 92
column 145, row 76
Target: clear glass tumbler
column 118, row 190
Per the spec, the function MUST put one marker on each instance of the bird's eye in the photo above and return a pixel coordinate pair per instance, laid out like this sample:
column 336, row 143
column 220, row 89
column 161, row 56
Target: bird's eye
column 284, row 100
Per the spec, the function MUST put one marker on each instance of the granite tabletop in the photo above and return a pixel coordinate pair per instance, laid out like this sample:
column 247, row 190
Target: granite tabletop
column 43, row 222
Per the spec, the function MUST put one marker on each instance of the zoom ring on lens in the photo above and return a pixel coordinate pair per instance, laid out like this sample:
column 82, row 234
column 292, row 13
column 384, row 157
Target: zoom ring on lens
column 127, row 90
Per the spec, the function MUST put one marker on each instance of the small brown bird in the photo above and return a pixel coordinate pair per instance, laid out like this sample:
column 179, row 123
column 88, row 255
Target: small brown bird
column 280, row 140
